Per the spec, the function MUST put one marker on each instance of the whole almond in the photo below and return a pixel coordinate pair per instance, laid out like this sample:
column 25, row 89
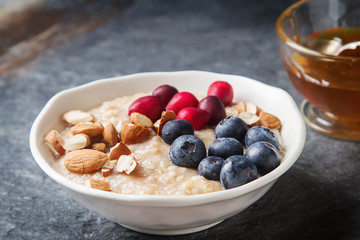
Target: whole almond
column 55, row 142
column 84, row 161
column 77, row 116
column 268, row 120
column 90, row 129
column 117, row 151
column 111, row 136
column 166, row 116
column 131, row 133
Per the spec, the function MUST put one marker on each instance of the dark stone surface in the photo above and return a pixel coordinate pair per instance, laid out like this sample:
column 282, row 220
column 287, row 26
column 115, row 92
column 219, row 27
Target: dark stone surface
column 318, row 198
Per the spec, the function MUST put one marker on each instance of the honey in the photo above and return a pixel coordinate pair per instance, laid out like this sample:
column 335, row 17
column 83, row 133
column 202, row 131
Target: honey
column 330, row 83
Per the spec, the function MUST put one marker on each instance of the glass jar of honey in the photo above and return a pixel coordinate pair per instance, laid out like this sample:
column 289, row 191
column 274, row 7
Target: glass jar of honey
column 314, row 37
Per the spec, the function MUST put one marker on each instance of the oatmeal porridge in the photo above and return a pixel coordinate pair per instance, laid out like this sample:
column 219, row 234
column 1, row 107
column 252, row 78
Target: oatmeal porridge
column 153, row 172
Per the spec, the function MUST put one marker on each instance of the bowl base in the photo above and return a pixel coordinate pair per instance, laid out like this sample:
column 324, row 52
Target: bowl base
column 171, row 231
column 318, row 121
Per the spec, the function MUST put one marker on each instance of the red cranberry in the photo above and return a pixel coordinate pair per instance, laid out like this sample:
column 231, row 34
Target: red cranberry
column 149, row 106
column 222, row 90
column 196, row 116
column 182, row 100
column 165, row 93
column 214, row 107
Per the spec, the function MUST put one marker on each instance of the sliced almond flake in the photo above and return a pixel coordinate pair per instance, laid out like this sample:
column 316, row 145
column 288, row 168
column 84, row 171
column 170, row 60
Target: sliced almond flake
column 249, row 118
column 241, row 107
column 251, row 108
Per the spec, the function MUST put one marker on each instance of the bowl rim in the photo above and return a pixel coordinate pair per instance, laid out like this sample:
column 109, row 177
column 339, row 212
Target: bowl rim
column 295, row 45
column 164, row 200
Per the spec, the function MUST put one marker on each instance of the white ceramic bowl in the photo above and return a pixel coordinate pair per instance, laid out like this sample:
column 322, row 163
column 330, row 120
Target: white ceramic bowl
column 168, row 214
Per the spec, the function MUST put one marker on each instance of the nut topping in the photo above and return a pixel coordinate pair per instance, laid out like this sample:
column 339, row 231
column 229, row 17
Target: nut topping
column 118, row 126
column 98, row 184
column 248, row 107
column 141, row 120
column 55, row 143
column 107, row 168
column 110, row 134
column 126, row 163
column 156, row 126
column 88, row 128
column 117, row 151
column 77, row 116
column 77, row 142
column 166, row 116
column 131, row 133
column 105, row 172
column 249, row 118
column 268, row 120
column 251, row 108
column 241, row 107
column 84, row 161
column 98, row 146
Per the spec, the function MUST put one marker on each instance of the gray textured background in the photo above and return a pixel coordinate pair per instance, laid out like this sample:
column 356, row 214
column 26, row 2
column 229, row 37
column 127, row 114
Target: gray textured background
column 318, row 198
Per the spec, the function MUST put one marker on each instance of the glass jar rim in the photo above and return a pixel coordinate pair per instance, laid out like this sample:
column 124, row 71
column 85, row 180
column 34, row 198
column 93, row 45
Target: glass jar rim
column 293, row 44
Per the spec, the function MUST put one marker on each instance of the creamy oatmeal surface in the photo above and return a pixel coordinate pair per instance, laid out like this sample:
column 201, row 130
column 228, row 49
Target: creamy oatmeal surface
column 155, row 174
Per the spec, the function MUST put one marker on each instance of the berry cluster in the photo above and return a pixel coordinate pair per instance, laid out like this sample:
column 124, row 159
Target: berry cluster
column 225, row 159
column 209, row 110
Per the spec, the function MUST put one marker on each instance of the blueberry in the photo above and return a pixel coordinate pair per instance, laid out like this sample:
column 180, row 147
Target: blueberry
column 264, row 155
column 236, row 171
column 174, row 129
column 225, row 147
column 187, row 151
column 256, row 134
column 231, row 127
column 210, row 167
